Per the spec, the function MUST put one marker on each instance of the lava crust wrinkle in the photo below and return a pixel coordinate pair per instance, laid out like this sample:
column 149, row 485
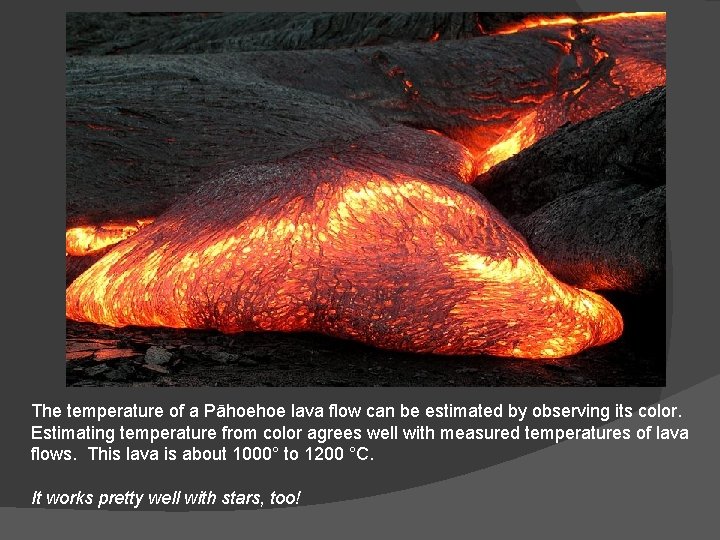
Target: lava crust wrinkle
column 391, row 249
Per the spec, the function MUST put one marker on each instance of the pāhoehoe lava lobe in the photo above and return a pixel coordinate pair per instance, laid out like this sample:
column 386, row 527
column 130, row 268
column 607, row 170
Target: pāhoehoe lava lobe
column 389, row 249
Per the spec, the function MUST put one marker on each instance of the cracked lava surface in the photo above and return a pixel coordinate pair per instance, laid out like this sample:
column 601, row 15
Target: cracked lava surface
column 379, row 240
column 399, row 254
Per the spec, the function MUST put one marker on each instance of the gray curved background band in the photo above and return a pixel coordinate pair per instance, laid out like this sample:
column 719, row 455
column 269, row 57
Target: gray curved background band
column 563, row 490
column 571, row 490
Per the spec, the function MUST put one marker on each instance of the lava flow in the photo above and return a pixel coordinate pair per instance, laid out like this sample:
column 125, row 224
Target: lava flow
column 380, row 241
column 604, row 61
column 564, row 20
column 395, row 252
column 81, row 241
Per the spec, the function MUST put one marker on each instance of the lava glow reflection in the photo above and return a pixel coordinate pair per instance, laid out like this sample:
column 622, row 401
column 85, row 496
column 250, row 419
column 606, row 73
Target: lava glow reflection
column 413, row 262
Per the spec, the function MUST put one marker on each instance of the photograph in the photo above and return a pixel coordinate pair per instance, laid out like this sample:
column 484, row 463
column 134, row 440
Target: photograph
column 365, row 199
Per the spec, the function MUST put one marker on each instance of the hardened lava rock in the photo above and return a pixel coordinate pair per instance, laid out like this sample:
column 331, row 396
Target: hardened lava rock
column 590, row 199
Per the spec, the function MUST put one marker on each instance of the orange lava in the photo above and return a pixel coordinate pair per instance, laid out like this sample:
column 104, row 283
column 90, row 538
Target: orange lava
column 564, row 20
column 381, row 241
column 521, row 135
column 389, row 251
column 605, row 60
column 80, row 241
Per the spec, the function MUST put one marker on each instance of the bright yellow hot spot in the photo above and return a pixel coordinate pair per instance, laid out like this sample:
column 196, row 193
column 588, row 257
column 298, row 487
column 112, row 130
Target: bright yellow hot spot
column 86, row 240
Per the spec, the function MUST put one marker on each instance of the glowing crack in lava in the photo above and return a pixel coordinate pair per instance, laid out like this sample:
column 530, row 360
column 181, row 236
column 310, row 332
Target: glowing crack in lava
column 80, row 241
column 395, row 253
column 604, row 61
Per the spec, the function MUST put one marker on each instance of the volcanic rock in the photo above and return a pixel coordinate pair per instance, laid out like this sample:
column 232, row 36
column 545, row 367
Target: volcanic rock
column 114, row 354
column 590, row 199
column 144, row 130
column 78, row 355
column 157, row 356
column 224, row 357
column 158, row 33
column 156, row 368
column 94, row 371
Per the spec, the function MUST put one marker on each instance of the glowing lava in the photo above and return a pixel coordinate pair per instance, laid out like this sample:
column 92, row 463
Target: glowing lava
column 518, row 137
column 80, row 241
column 565, row 20
column 395, row 252
column 604, row 61
column 380, row 241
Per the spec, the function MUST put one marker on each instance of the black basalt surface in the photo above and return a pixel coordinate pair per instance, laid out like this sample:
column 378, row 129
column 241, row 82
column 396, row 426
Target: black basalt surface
column 590, row 198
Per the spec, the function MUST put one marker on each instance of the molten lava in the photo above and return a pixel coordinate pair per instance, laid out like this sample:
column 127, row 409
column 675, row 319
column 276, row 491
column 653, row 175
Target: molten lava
column 565, row 20
column 380, row 241
column 392, row 251
column 80, row 241
column 604, row 61
column 521, row 135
